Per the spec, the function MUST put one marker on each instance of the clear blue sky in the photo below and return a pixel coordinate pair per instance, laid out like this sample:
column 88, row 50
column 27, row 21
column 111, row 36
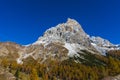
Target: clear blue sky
column 23, row 21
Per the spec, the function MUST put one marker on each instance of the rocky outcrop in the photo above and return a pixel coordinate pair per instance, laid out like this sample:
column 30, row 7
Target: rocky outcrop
column 112, row 78
column 5, row 75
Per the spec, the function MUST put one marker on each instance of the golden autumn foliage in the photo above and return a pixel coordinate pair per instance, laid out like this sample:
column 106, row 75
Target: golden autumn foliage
column 68, row 69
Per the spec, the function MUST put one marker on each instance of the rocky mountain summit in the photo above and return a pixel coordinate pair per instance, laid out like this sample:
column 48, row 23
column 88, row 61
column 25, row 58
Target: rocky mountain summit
column 59, row 43
column 70, row 35
column 73, row 37
column 70, row 32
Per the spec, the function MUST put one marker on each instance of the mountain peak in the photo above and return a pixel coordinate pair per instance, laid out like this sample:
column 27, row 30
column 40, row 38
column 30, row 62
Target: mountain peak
column 72, row 23
column 69, row 20
column 72, row 36
column 70, row 32
column 60, row 42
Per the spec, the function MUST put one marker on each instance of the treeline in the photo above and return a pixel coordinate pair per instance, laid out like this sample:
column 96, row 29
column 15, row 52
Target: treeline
column 66, row 70
column 114, row 53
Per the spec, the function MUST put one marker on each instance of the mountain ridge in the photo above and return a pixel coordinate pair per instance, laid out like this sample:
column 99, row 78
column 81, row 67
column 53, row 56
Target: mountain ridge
column 59, row 43
column 96, row 40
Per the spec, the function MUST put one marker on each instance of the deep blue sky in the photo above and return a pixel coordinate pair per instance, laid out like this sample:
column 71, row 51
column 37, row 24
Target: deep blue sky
column 23, row 21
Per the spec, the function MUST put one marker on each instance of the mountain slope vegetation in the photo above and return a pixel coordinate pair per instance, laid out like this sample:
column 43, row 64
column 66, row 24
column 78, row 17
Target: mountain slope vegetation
column 92, row 67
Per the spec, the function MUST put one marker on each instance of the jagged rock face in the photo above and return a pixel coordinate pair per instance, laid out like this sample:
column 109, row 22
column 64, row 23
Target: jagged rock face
column 70, row 32
column 74, row 38
column 69, row 35
column 100, row 41
column 103, row 45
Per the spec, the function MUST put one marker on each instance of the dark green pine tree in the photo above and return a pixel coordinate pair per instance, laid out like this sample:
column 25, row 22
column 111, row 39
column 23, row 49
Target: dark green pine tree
column 17, row 74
